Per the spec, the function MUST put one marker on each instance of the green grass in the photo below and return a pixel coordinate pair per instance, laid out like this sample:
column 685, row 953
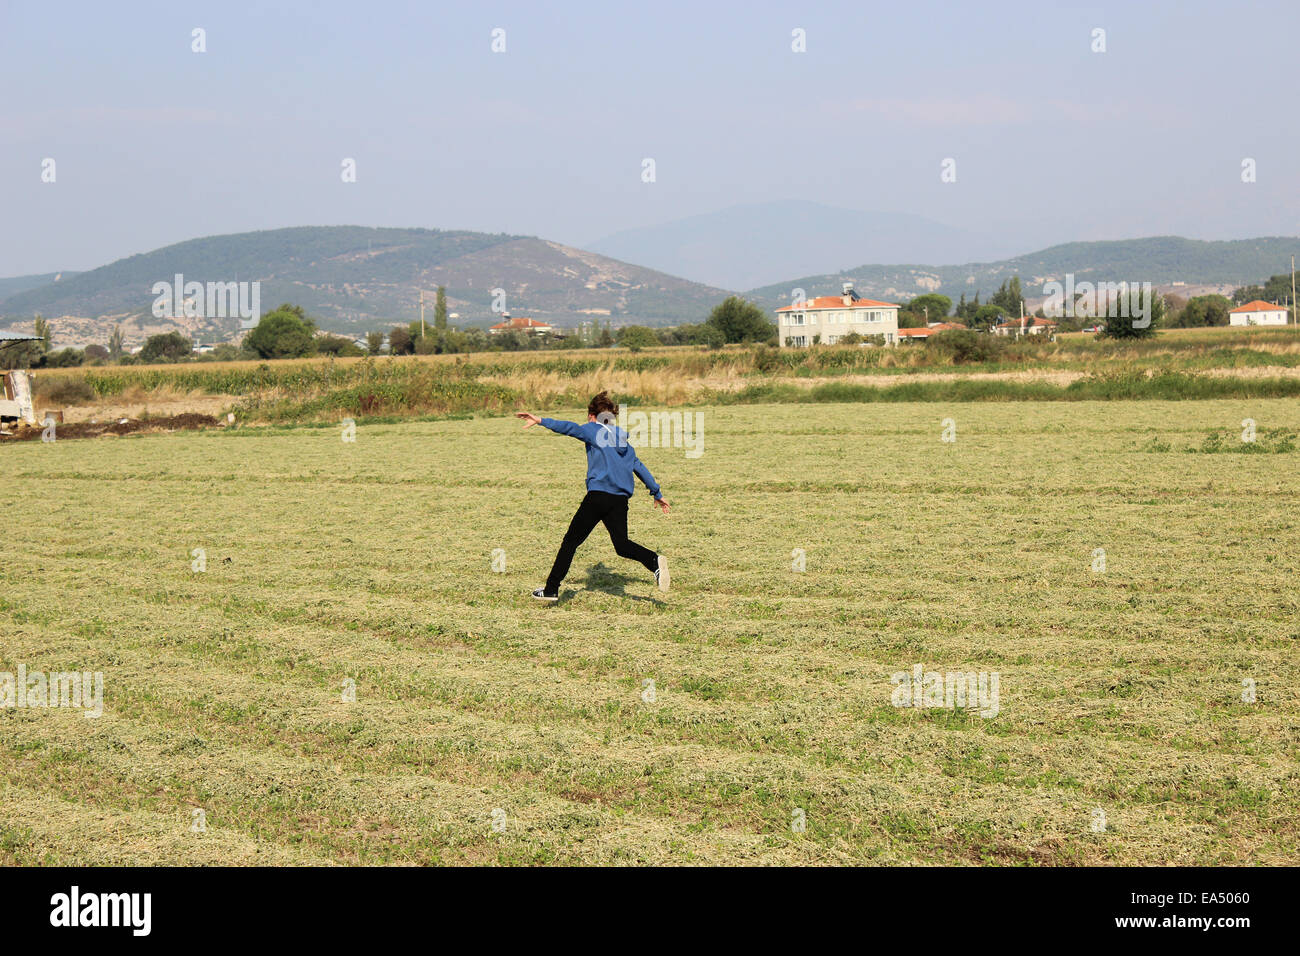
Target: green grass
column 326, row 561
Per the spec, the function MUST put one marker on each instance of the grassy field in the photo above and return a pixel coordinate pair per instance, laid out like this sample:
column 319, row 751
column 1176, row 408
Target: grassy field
column 488, row 729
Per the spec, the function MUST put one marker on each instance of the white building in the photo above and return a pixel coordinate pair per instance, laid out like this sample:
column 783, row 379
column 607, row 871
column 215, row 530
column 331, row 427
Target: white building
column 1029, row 325
column 828, row 318
column 1257, row 313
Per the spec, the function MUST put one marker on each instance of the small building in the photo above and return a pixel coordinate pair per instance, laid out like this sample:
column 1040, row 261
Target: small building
column 1258, row 312
column 521, row 324
column 1029, row 325
column 828, row 318
column 918, row 335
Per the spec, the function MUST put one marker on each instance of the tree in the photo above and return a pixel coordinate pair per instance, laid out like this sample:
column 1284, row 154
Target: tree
column 1146, row 310
column 166, row 347
column 96, row 353
column 399, row 341
column 711, row 336
column 606, row 338
column 284, row 333
column 440, row 310
column 337, row 345
column 637, row 337
column 741, row 321
column 1203, row 310
column 932, row 307
column 1247, row 293
column 22, row 354
column 374, row 342
column 966, row 310
column 224, row 352
column 1276, row 289
column 964, row 346
column 1009, row 299
column 115, row 346
column 986, row 316
column 43, row 331
column 63, row 358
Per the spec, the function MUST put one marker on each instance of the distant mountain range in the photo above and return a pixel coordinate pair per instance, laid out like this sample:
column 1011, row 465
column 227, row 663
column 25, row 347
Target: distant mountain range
column 1161, row 260
column 745, row 246
column 354, row 278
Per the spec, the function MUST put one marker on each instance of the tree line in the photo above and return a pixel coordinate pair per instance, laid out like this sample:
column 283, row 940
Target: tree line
column 288, row 332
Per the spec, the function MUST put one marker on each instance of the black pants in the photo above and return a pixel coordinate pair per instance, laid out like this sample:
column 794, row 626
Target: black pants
column 598, row 507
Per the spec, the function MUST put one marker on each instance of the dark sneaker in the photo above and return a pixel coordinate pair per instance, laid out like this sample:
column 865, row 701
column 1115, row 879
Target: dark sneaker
column 661, row 574
column 541, row 595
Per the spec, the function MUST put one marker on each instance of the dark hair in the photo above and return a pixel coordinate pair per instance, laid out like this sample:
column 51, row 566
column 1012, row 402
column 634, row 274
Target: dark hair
column 601, row 403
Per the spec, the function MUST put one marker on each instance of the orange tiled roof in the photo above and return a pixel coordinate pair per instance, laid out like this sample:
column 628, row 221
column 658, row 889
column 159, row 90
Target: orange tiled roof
column 837, row 302
column 522, row 322
column 1259, row 305
column 1028, row 321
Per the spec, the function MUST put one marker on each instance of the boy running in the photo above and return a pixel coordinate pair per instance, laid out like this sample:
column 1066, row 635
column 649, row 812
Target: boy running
column 611, row 463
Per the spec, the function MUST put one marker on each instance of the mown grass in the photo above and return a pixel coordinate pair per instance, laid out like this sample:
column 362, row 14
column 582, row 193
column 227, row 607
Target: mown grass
column 371, row 561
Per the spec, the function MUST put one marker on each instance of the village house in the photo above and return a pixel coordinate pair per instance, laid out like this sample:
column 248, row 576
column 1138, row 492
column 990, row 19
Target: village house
column 918, row 335
column 1029, row 325
column 521, row 324
column 1257, row 312
column 828, row 318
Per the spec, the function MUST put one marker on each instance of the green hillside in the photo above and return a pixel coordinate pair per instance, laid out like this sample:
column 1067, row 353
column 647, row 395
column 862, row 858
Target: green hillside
column 353, row 277
column 1158, row 260
column 16, row 284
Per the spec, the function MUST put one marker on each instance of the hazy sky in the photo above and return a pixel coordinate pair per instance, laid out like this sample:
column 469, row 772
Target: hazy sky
column 154, row 143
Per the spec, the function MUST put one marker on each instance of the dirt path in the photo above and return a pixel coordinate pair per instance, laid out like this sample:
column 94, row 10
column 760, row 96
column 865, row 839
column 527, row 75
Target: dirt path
column 112, row 428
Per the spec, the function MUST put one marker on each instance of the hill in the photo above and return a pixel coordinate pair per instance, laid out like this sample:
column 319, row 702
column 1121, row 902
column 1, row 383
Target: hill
column 354, row 278
column 1161, row 260
column 16, row 284
column 747, row 245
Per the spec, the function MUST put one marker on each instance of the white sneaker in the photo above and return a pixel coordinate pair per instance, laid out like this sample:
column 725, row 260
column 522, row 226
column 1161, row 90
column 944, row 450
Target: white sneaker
column 661, row 574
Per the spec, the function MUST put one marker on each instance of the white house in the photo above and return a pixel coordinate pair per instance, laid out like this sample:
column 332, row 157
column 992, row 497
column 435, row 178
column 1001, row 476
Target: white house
column 1257, row 313
column 828, row 318
column 1029, row 325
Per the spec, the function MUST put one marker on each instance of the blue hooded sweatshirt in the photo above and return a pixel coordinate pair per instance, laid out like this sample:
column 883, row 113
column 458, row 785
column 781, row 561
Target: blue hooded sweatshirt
column 611, row 460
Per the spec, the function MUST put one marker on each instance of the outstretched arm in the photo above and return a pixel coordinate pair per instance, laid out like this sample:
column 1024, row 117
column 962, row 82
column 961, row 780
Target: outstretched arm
column 647, row 479
column 572, row 429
